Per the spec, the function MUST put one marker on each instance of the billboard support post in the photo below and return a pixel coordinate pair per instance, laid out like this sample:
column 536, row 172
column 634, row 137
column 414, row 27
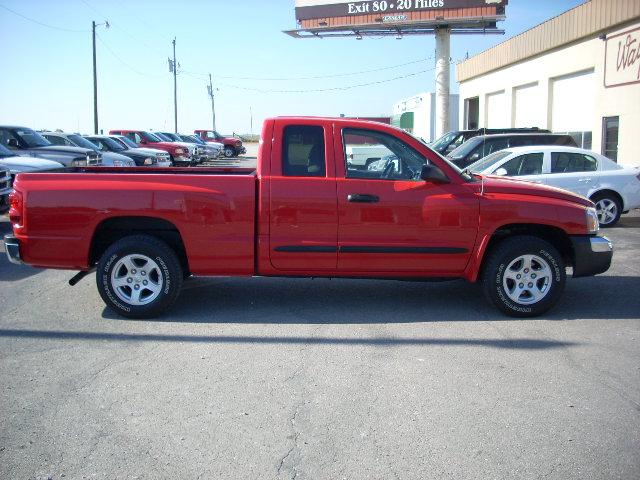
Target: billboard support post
column 443, row 68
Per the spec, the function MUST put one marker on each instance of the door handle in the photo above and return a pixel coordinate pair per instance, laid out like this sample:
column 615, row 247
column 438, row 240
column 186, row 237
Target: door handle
column 362, row 198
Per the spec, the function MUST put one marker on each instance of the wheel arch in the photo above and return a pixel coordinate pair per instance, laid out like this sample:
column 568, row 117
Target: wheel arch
column 112, row 229
column 554, row 235
column 609, row 191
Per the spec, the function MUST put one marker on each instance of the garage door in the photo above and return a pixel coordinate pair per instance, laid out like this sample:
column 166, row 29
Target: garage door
column 496, row 110
column 529, row 108
column 573, row 102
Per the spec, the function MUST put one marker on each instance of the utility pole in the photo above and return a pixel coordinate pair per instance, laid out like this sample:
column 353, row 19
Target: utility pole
column 95, row 75
column 213, row 106
column 175, row 87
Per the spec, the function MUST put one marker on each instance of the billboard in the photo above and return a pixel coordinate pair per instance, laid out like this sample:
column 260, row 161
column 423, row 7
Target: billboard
column 321, row 16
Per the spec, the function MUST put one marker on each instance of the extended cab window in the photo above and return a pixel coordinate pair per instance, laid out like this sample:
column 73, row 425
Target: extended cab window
column 567, row 162
column 529, row 164
column 303, row 151
column 376, row 155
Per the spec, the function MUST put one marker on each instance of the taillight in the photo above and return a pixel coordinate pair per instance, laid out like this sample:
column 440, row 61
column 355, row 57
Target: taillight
column 16, row 205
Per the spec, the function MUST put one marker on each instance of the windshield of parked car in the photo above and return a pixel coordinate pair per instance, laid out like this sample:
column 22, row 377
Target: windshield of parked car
column 442, row 142
column 31, row 138
column 194, row 139
column 111, row 144
column 488, row 161
column 171, row 136
column 162, row 137
column 125, row 141
column 151, row 137
column 82, row 142
column 466, row 148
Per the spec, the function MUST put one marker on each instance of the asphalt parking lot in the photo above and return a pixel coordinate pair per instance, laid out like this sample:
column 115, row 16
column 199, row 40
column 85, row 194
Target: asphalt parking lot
column 321, row 379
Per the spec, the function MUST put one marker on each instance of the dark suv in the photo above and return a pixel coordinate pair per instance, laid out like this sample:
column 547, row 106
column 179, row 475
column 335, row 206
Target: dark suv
column 479, row 147
column 449, row 141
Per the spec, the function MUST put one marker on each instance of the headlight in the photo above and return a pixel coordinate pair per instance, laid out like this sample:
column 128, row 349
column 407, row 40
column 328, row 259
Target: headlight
column 79, row 163
column 592, row 220
column 179, row 151
column 148, row 161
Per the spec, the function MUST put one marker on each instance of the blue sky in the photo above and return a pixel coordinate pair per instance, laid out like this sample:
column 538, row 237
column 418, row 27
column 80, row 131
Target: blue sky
column 46, row 77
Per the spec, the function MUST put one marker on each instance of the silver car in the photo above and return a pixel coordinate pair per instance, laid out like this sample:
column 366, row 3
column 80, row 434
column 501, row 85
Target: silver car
column 109, row 159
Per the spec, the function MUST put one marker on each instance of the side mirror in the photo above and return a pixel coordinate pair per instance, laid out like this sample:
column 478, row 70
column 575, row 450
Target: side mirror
column 13, row 143
column 431, row 173
column 501, row 172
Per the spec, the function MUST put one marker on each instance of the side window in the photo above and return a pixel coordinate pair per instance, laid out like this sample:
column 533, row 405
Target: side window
column 566, row 162
column 529, row 164
column 379, row 156
column 303, row 151
column 135, row 137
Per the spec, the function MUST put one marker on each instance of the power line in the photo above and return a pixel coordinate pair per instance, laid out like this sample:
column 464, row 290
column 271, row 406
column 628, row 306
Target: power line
column 114, row 54
column 315, row 77
column 43, row 24
column 116, row 25
column 331, row 89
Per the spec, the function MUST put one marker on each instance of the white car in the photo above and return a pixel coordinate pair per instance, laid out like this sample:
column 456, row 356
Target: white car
column 614, row 189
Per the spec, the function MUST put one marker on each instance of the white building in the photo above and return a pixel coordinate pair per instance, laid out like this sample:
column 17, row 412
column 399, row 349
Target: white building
column 417, row 115
column 577, row 73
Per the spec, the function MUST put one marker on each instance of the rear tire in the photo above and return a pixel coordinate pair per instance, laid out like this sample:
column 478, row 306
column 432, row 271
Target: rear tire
column 524, row 276
column 608, row 208
column 139, row 276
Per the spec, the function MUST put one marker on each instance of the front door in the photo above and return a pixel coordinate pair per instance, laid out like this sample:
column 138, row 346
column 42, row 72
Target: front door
column 303, row 225
column 392, row 221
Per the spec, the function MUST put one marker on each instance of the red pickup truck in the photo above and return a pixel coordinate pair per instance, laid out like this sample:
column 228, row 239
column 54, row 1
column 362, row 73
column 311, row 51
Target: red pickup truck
column 179, row 153
column 305, row 213
column 232, row 146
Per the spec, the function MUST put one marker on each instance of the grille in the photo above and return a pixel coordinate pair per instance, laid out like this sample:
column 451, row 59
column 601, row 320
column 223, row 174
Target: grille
column 5, row 180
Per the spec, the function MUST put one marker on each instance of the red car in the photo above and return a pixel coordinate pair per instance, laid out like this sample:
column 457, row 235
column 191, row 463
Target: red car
column 306, row 213
column 232, row 146
column 179, row 153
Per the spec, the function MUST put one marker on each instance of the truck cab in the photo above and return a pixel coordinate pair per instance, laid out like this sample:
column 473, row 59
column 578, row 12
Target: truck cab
column 307, row 212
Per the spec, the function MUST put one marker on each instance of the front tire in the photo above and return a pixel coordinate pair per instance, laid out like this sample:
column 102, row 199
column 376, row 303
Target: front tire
column 139, row 276
column 608, row 209
column 229, row 152
column 524, row 276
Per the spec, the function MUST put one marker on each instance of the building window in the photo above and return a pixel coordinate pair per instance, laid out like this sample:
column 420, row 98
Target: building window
column 471, row 113
column 610, row 126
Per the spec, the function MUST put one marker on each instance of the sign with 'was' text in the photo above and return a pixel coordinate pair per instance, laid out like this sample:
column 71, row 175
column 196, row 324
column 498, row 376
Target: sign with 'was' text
column 622, row 59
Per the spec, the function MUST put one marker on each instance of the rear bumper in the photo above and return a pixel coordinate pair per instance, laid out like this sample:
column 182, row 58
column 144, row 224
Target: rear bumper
column 592, row 255
column 12, row 247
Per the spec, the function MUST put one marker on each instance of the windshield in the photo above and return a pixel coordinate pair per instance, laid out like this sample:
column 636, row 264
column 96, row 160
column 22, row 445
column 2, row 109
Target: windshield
column 82, row 142
column 111, row 144
column 194, row 139
column 162, row 137
column 466, row 148
column 126, row 141
column 444, row 141
column 32, row 139
column 171, row 136
column 5, row 152
column 488, row 161
column 150, row 137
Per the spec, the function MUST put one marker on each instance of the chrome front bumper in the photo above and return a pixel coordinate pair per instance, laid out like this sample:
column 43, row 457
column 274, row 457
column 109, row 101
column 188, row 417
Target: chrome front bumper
column 12, row 247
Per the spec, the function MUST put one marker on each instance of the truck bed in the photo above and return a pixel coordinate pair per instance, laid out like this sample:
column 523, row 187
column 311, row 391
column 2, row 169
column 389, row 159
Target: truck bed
column 212, row 210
